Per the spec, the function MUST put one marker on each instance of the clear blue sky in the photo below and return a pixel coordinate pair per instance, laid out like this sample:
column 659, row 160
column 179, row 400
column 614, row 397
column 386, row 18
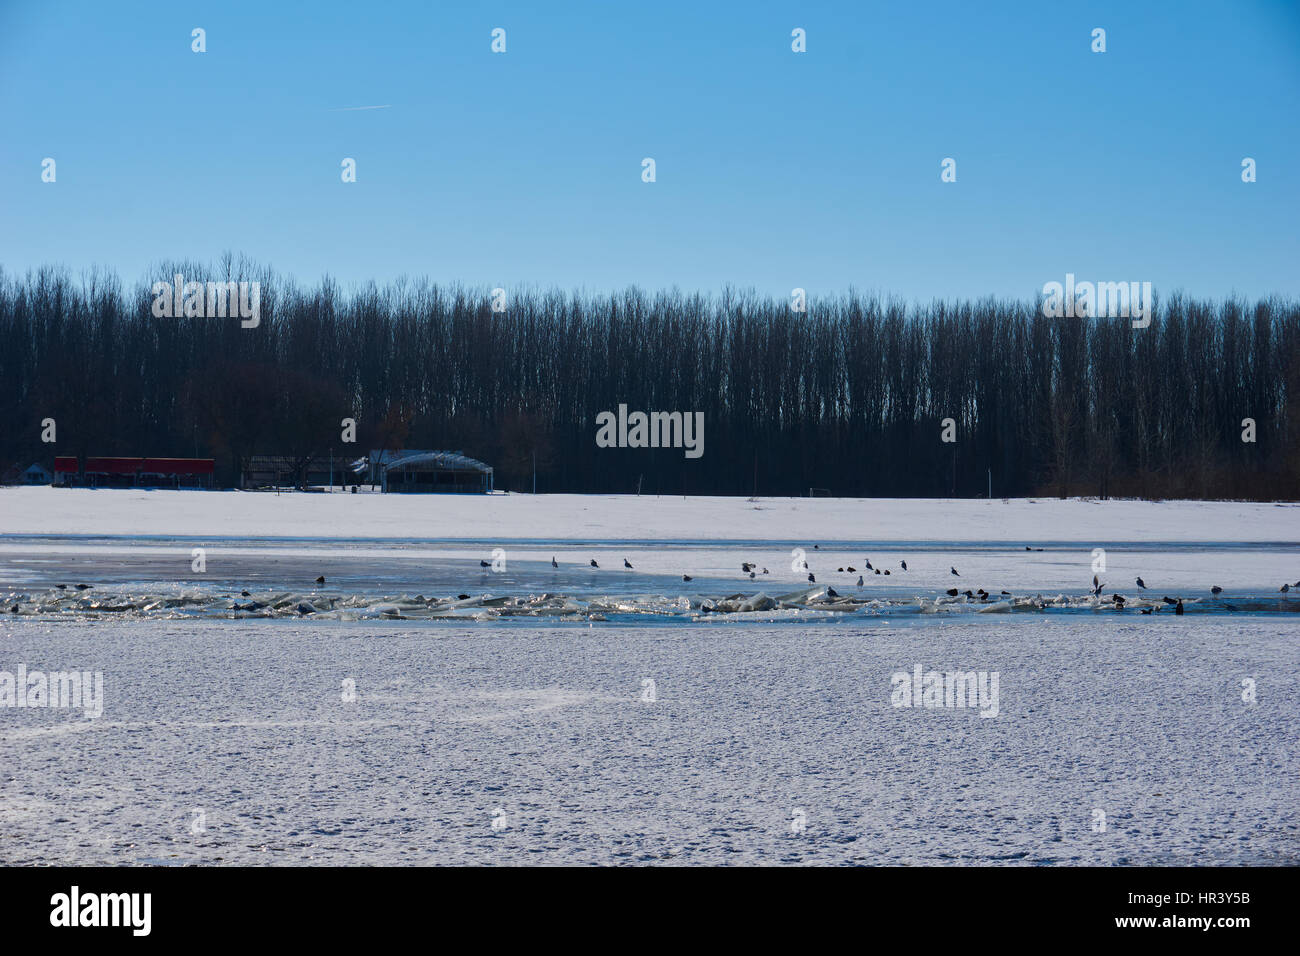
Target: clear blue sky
column 775, row 169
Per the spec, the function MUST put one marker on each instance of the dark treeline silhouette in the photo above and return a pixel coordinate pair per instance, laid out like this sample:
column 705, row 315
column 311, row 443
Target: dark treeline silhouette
column 849, row 396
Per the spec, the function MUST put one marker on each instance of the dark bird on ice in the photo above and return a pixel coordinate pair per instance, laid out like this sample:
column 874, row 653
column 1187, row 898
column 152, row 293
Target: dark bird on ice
column 1216, row 590
column 1140, row 583
column 953, row 592
column 14, row 609
column 859, row 580
column 840, row 570
column 886, row 570
column 462, row 597
column 751, row 575
column 812, row 578
column 594, row 564
column 553, row 564
column 244, row 594
column 626, row 564
column 485, row 564
column 904, row 565
column 869, row 567
column 321, row 579
column 83, row 587
column 877, row 570
column 955, row 571
column 64, row 587
column 1168, row 600
column 1179, row 608
column 852, row 570
column 686, row 577
column 765, row 570
column 831, row 592
column 1118, row 599
column 1284, row 588
column 746, row 566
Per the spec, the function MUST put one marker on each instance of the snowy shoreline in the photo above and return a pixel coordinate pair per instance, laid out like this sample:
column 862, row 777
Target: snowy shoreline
column 60, row 511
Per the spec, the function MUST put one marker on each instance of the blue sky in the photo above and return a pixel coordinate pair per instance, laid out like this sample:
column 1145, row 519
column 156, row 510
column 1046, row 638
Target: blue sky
column 774, row 169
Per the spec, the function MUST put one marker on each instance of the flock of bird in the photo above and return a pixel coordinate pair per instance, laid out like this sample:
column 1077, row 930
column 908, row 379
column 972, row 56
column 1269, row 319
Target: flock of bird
column 752, row 569
column 981, row 595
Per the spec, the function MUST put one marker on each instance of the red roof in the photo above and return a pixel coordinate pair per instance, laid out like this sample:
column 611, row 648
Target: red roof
column 113, row 466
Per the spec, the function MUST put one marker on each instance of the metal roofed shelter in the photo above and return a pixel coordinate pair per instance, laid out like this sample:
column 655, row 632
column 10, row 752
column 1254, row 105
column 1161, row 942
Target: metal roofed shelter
column 438, row 472
column 370, row 470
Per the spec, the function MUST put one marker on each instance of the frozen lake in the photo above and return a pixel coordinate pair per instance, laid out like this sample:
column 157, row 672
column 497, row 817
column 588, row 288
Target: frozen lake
column 572, row 714
column 127, row 576
column 1115, row 742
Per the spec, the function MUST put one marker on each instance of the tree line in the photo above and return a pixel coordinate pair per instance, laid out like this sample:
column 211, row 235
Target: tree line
column 850, row 396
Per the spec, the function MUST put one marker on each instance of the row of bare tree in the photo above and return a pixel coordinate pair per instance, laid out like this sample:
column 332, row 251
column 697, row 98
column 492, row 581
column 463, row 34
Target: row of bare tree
column 850, row 396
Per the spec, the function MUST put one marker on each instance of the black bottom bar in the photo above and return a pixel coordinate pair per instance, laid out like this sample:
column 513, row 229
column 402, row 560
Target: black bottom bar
column 950, row 907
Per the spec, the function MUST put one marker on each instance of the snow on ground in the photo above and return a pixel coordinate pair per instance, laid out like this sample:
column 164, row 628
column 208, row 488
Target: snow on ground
column 754, row 726
column 1117, row 741
column 579, row 518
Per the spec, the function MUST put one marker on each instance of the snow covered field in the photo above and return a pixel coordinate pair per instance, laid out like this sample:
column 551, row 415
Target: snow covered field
column 1114, row 744
column 1119, row 738
column 581, row 518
